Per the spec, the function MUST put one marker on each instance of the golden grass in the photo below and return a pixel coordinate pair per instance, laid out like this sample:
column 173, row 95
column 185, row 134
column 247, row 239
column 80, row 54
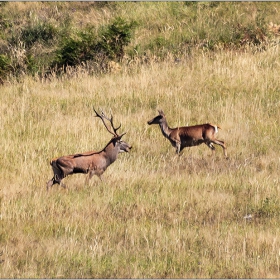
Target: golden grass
column 155, row 214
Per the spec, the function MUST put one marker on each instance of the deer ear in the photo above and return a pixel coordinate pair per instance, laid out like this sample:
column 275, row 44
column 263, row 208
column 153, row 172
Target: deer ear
column 161, row 112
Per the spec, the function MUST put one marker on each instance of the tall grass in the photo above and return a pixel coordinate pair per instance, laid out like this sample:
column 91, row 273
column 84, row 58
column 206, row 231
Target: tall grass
column 154, row 214
column 43, row 38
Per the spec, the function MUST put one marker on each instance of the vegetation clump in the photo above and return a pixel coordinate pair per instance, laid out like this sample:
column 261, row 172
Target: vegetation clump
column 37, row 39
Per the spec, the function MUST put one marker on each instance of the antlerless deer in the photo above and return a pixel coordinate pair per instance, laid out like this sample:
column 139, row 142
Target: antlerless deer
column 189, row 136
column 91, row 163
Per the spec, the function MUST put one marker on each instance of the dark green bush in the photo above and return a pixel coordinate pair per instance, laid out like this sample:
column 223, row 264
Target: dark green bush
column 33, row 65
column 43, row 32
column 86, row 45
column 115, row 37
column 5, row 67
column 74, row 51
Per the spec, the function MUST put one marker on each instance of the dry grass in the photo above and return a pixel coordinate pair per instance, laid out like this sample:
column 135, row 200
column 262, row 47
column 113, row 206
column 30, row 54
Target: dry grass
column 154, row 215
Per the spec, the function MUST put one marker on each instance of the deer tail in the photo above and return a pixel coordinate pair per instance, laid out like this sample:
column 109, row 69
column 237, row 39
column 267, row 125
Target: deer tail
column 215, row 127
column 52, row 162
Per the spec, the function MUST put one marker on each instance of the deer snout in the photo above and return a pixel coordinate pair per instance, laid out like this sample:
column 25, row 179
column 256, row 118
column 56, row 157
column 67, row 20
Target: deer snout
column 125, row 147
column 156, row 120
column 128, row 148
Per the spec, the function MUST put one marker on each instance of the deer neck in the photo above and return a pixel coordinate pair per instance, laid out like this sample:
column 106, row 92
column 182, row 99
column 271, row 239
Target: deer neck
column 110, row 152
column 165, row 129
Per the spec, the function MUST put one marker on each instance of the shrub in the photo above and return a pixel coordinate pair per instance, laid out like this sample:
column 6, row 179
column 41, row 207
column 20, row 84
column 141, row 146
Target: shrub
column 86, row 46
column 74, row 51
column 115, row 37
column 4, row 66
column 44, row 32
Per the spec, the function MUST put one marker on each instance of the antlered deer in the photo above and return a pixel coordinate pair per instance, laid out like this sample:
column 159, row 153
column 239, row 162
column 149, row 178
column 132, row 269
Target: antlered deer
column 189, row 136
column 91, row 163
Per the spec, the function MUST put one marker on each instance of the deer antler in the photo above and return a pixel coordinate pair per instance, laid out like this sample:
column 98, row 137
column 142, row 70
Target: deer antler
column 102, row 117
column 111, row 122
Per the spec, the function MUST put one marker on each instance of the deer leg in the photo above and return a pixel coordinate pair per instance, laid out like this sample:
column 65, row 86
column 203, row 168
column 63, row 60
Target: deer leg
column 178, row 147
column 99, row 176
column 58, row 179
column 210, row 145
column 55, row 180
column 50, row 183
column 87, row 180
column 59, row 174
column 62, row 185
column 222, row 144
column 89, row 176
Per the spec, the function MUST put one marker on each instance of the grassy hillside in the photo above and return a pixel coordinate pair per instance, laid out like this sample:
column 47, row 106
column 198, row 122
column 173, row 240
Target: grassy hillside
column 39, row 38
column 154, row 215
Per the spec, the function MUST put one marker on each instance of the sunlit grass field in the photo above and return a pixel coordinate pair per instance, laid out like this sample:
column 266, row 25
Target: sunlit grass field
column 155, row 214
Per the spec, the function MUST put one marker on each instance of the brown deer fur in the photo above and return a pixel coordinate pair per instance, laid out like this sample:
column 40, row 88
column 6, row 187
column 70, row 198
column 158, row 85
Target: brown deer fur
column 91, row 163
column 188, row 136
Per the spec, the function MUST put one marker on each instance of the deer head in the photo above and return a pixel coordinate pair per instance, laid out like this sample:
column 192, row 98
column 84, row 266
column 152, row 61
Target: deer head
column 158, row 119
column 124, row 147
